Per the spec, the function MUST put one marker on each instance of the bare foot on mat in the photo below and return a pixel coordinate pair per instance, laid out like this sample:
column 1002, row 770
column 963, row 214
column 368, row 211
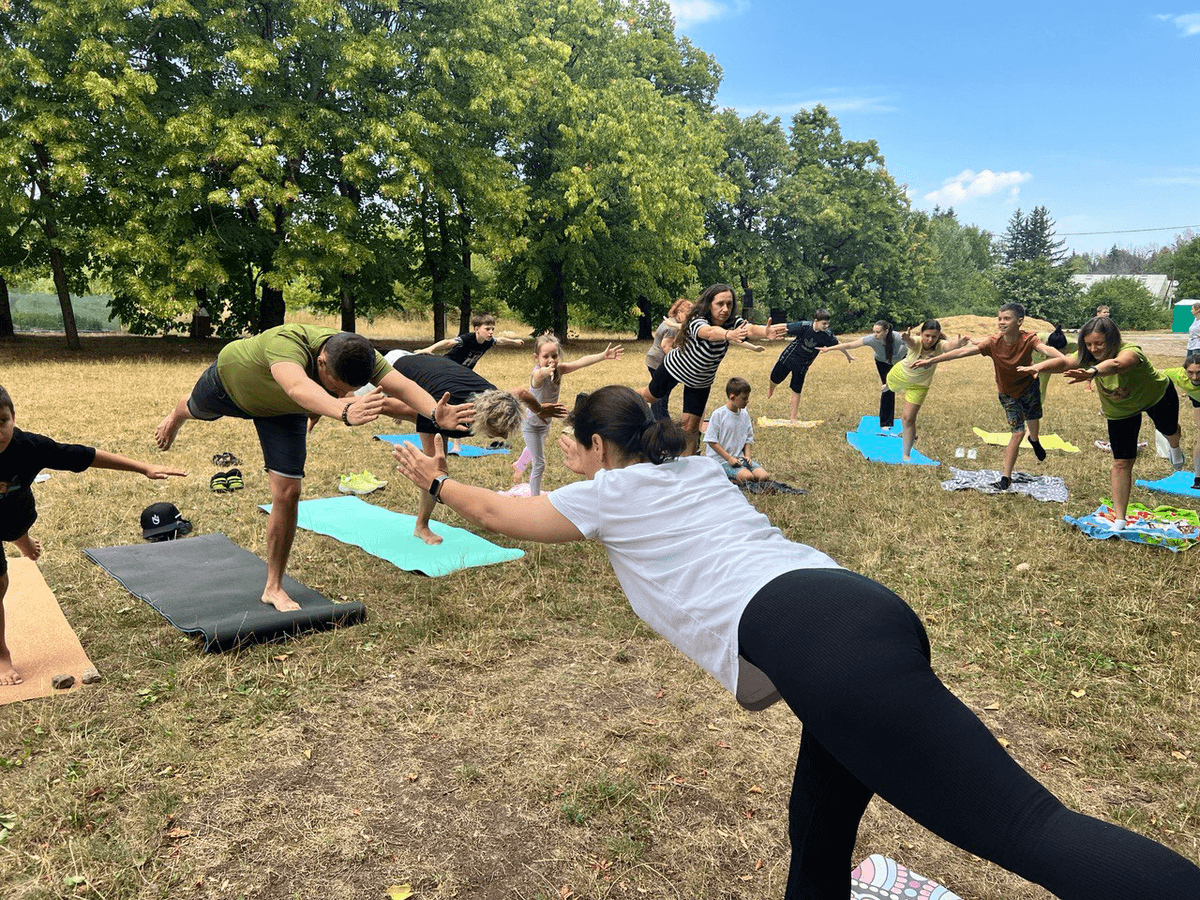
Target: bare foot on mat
column 423, row 532
column 8, row 675
column 279, row 599
column 31, row 548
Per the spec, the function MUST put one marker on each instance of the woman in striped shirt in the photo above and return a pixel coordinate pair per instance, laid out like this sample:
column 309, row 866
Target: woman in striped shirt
column 707, row 332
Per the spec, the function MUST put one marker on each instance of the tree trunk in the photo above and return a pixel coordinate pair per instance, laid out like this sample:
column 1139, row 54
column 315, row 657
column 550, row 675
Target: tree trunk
column 6, row 320
column 271, row 311
column 464, row 308
column 64, row 299
column 644, row 332
column 347, row 309
column 558, row 301
column 747, row 298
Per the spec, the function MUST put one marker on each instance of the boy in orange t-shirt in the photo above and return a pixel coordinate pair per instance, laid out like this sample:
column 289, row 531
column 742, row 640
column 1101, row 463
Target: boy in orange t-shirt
column 1019, row 393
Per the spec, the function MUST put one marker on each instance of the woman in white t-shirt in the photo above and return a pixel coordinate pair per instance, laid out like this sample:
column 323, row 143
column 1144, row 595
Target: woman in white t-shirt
column 772, row 619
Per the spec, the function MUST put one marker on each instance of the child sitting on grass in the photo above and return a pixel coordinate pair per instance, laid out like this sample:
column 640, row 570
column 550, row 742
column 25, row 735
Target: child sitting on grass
column 22, row 455
column 730, row 431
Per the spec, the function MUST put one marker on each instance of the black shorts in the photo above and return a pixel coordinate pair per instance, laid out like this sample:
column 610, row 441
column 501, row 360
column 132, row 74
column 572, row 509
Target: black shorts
column 695, row 399
column 1123, row 433
column 780, row 369
column 284, row 439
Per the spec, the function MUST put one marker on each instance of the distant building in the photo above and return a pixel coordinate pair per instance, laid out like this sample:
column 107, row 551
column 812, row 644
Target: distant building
column 1161, row 287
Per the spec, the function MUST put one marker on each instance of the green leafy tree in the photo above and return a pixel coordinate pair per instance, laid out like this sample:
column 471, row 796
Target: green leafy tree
column 960, row 271
column 741, row 250
column 1131, row 304
column 617, row 163
column 1045, row 291
column 1185, row 268
column 847, row 237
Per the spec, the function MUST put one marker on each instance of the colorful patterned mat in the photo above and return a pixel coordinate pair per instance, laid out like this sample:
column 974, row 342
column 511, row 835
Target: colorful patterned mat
column 880, row 878
column 1163, row 526
column 464, row 450
column 1048, row 441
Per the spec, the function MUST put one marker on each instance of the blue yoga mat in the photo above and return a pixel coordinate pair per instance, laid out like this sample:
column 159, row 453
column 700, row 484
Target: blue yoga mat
column 1178, row 483
column 415, row 439
column 389, row 535
column 884, row 446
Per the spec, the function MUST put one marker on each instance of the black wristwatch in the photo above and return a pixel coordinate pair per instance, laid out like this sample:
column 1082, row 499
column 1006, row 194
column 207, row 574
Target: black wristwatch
column 435, row 488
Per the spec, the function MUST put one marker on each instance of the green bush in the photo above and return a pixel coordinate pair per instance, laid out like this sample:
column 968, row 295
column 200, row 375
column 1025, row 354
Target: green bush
column 1131, row 305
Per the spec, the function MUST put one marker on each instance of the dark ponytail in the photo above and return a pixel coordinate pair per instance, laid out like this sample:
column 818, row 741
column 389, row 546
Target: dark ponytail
column 620, row 416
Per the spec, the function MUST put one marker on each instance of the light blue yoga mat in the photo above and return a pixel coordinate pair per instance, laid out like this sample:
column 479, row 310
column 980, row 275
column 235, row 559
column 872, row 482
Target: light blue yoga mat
column 1178, row 483
column 389, row 535
column 884, row 446
column 415, row 439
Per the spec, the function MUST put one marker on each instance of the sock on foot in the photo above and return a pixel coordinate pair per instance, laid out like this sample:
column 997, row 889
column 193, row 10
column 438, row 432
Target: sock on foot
column 1038, row 450
column 1003, row 484
column 1196, row 484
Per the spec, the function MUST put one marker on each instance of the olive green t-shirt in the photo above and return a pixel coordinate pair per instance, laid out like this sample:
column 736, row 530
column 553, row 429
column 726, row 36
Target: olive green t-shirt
column 1179, row 376
column 244, row 367
column 1128, row 393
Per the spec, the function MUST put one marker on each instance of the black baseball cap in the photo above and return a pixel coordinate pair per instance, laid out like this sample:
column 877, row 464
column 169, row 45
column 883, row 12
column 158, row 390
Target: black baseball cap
column 163, row 521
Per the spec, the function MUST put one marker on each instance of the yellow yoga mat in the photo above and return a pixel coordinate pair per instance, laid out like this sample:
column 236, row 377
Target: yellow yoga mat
column 38, row 635
column 787, row 423
column 1048, row 441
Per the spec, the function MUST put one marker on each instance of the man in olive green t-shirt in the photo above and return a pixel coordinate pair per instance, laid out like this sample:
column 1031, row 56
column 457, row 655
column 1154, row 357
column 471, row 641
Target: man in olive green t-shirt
column 284, row 379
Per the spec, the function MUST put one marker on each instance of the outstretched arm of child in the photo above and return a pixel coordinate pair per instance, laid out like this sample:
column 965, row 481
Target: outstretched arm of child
column 508, row 339
column 439, row 346
column 524, row 518
column 612, row 351
column 106, row 460
column 960, row 353
column 848, row 345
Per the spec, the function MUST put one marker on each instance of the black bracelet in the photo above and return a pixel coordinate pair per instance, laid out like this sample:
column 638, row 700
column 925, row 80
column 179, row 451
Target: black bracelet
column 346, row 409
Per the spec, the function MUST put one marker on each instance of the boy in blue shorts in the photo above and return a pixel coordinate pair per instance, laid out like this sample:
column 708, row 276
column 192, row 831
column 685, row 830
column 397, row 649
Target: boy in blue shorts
column 797, row 356
column 730, row 432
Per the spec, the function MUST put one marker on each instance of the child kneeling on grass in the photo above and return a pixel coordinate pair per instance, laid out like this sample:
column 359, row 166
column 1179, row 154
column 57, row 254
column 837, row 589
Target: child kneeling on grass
column 730, row 431
column 22, row 456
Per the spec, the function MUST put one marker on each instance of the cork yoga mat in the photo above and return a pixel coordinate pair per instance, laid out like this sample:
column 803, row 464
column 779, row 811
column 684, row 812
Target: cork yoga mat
column 38, row 635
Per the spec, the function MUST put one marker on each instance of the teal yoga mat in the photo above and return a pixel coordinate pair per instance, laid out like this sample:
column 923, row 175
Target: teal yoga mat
column 465, row 451
column 389, row 535
column 882, row 446
column 210, row 586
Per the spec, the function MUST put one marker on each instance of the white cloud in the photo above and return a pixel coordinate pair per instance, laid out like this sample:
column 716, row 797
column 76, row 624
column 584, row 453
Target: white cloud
column 835, row 104
column 696, row 12
column 967, row 185
column 1188, row 23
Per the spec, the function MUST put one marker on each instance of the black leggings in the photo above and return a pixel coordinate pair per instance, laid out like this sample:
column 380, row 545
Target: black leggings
column 852, row 661
column 887, row 397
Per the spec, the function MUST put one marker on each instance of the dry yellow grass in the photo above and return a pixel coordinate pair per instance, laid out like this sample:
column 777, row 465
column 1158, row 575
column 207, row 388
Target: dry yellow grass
column 514, row 731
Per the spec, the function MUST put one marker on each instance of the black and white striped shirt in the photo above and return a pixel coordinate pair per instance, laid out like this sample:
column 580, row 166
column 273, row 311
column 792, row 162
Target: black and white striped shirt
column 695, row 365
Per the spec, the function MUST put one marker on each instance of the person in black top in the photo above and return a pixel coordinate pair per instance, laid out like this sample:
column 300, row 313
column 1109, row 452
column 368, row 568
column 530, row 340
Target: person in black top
column 23, row 455
column 467, row 349
column 797, row 356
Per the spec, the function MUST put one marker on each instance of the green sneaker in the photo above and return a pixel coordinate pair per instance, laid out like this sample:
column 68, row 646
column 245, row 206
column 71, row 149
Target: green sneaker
column 358, row 484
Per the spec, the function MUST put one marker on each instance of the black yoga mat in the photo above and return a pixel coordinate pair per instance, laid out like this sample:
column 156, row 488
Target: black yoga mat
column 208, row 585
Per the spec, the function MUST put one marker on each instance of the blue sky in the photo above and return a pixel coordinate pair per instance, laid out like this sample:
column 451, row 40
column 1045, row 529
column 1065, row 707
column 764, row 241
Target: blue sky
column 1089, row 109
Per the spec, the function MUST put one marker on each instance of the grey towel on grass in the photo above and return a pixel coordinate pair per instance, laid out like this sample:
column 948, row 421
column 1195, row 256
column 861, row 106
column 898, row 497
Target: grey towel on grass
column 1049, row 488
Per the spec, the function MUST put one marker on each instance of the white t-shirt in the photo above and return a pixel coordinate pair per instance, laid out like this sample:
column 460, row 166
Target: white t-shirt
column 732, row 430
column 1194, row 336
column 690, row 553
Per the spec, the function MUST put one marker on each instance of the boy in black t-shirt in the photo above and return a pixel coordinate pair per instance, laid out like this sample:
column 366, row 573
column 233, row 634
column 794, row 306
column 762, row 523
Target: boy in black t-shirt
column 466, row 349
column 22, row 455
column 800, row 353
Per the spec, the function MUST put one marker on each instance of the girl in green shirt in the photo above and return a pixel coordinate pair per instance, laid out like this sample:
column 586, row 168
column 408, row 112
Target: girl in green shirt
column 1128, row 385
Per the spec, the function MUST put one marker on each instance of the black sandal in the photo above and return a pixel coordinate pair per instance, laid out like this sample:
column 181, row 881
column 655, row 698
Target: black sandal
column 219, row 483
column 233, row 478
column 225, row 459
